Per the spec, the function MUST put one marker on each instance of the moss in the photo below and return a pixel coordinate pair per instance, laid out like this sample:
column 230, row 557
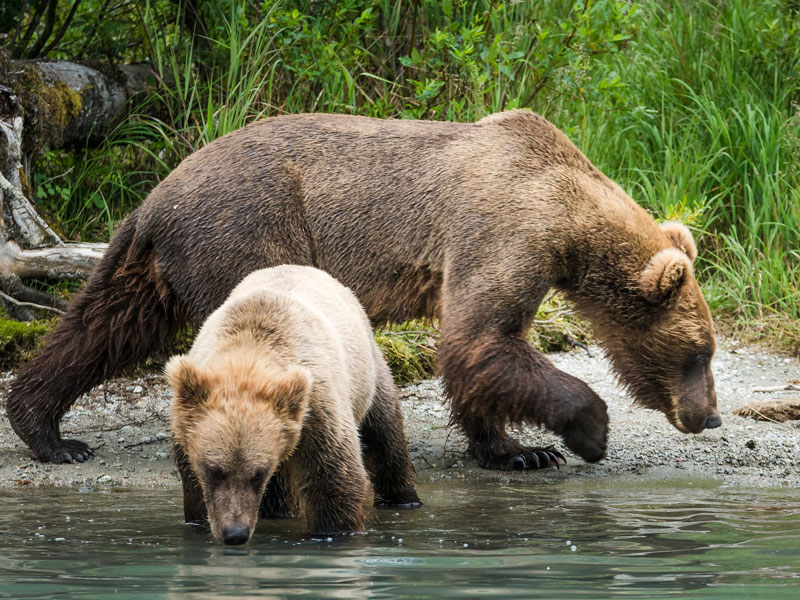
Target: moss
column 409, row 349
column 18, row 341
column 557, row 327
column 26, row 184
column 48, row 108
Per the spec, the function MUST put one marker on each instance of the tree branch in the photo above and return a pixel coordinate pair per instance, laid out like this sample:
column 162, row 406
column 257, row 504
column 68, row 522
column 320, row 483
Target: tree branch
column 63, row 29
column 32, row 227
column 16, row 302
column 42, row 38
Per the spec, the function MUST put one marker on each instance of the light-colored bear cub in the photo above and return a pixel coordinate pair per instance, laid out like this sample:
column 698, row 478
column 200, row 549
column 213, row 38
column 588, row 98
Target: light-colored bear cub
column 286, row 377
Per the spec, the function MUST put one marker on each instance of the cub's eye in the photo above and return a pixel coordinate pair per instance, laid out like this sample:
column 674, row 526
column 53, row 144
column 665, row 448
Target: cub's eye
column 258, row 477
column 214, row 473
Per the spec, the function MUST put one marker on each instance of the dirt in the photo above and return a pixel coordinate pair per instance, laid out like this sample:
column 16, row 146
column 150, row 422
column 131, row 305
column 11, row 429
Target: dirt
column 127, row 421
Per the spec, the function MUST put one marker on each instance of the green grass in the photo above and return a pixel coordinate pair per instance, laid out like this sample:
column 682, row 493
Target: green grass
column 712, row 137
column 691, row 107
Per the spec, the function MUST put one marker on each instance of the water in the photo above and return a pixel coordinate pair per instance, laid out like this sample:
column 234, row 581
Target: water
column 482, row 539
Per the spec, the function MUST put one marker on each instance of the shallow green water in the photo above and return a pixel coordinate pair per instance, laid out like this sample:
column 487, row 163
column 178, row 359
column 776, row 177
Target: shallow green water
column 470, row 540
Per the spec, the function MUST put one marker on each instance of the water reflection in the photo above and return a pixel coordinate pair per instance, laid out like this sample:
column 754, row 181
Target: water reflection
column 470, row 540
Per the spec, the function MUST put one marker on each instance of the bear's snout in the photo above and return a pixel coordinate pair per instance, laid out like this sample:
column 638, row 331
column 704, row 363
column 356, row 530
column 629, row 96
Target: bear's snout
column 696, row 421
column 235, row 535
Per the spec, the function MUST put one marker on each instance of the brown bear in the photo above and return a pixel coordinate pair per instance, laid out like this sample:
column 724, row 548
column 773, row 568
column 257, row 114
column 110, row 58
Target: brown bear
column 470, row 223
column 285, row 375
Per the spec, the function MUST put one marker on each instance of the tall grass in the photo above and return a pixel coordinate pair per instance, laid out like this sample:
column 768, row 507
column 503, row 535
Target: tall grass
column 691, row 106
column 710, row 133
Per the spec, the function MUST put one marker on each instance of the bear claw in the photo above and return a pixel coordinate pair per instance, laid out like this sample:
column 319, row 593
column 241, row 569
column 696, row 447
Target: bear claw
column 529, row 459
column 66, row 451
column 537, row 458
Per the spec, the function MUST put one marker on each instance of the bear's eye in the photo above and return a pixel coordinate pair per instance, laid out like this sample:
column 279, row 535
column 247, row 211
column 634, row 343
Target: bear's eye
column 697, row 361
column 214, row 473
column 258, row 477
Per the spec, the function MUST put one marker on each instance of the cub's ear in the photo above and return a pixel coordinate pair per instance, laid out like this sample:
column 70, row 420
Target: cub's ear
column 680, row 237
column 190, row 387
column 290, row 392
column 664, row 274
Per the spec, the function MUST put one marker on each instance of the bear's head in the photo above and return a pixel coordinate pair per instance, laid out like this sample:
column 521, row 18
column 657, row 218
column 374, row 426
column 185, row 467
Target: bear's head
column 236, row 423
column 662, row 343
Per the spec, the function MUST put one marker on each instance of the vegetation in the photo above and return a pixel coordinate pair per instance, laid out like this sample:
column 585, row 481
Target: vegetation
column 19, row 340
column 693, row 107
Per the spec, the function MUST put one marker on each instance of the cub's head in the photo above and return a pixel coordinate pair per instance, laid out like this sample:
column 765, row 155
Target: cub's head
column 236, row 424
column 662, row 347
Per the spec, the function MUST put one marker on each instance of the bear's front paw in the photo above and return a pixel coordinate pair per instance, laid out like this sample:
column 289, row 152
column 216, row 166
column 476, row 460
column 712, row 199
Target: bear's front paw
column 524, row 458
column 63, row 451
column 586, row 436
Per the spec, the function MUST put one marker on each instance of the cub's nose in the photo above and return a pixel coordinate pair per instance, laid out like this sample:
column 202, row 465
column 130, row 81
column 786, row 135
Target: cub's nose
column 713, row 422
column 234, row 535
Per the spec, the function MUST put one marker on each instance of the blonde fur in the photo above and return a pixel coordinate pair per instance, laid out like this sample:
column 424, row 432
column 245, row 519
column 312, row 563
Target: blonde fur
column 279, row 377
column 681, row 238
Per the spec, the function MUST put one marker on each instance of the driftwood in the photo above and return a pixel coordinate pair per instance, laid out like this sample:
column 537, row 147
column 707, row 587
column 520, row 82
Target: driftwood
column 789, row 387
column 50, row 105
column 776, row 411
column 66, row 104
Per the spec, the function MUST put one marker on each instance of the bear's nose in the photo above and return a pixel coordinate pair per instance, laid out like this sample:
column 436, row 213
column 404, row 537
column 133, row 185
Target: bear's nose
column 234, row 535
column 713, row 421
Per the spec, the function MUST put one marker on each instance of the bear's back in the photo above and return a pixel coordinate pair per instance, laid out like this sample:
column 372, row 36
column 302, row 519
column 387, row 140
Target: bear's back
column 306, row 317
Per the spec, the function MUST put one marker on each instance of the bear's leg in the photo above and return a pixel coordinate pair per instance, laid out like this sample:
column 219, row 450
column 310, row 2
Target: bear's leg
column 494, row 377
column 278, row 501
column 330, row 477
column 385, row 447
column 194, row 507
column 118, row 319
column 495, row 449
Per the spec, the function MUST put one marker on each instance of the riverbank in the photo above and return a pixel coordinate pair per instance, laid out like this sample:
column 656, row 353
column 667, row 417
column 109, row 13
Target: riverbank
column 127, row 421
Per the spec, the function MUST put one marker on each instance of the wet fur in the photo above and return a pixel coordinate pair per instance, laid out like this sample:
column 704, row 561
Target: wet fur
column 285, row 378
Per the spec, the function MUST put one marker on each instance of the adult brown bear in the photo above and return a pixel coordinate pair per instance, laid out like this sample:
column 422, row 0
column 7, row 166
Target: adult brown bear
column 471, row 223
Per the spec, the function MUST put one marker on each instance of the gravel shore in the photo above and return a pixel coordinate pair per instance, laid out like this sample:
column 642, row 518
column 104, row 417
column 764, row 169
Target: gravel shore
column 127, row 420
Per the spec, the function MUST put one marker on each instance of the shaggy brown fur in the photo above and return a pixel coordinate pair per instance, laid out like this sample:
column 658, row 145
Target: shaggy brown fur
column 282, row 378
column 472, row 223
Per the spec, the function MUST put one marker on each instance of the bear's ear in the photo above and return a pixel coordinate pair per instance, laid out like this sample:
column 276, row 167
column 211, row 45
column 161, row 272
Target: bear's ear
column 680, row 237
column 290, row 392
column 664, row 274
column 190, row 387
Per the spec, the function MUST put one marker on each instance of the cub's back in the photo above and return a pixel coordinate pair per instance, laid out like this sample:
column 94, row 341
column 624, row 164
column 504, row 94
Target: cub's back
column 307, row 317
